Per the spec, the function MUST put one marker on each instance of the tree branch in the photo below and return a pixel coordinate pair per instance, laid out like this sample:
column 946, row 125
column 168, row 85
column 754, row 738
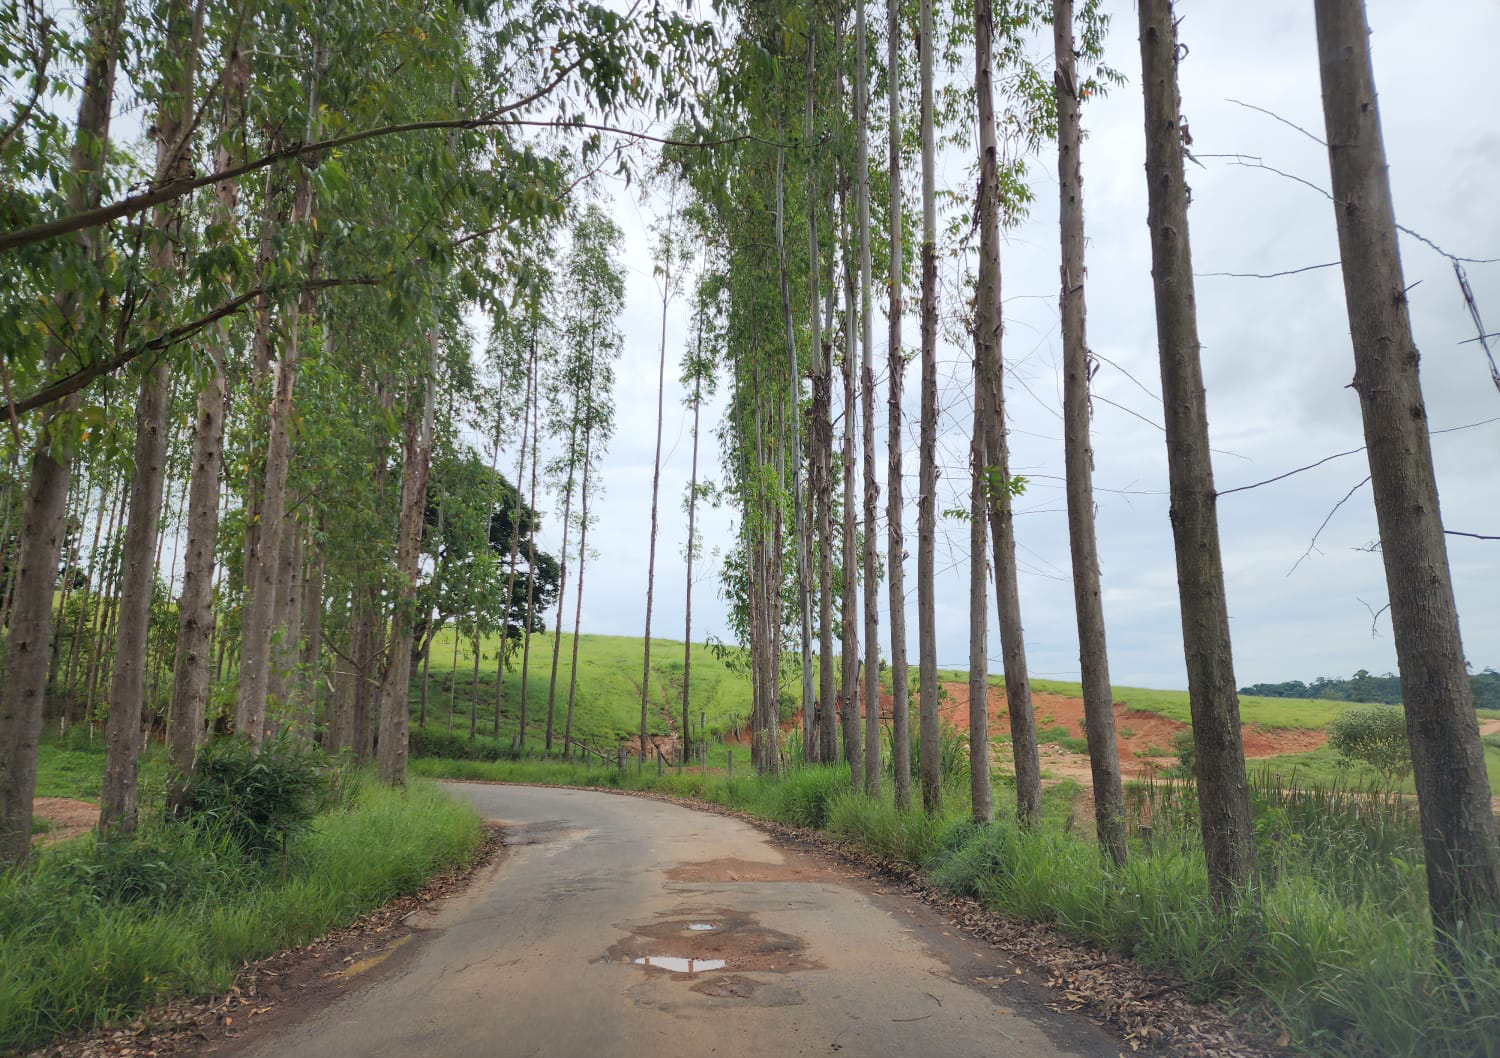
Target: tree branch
column 1313, row 544
column 55, row 391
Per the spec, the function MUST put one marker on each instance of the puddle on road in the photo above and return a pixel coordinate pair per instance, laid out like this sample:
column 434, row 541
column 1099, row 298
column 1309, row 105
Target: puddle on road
column 700, row 943
column 676, row 965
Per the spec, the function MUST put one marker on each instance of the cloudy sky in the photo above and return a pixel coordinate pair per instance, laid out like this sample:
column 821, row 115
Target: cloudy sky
column 1276, row 357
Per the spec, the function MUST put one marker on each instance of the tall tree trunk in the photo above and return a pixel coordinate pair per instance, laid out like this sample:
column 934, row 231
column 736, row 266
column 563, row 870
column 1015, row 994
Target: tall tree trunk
column 927, row 686
column 530, row 560
column 987, row 333
column 867, row 411
column 562, row 574
column 849, row 689
column 583, row 552
column 661, row 395
column 1093, row 656
column 820, row 742
column 996, row 461
column 1223, row 793
column 195, row 616
column 1453, row 790
column 980, row 799
column 42, row 526
column 794, row 425
column 264, row 571
column 515, row 532
column 687, row 626
column 416, row 457
column 309, row 668
column 896, row 366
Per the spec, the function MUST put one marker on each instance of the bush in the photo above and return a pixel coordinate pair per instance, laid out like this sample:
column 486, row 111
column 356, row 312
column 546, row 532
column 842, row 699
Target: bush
column 1375, row 736
column 430, row 742
column 259, row 800
column 1187, row 752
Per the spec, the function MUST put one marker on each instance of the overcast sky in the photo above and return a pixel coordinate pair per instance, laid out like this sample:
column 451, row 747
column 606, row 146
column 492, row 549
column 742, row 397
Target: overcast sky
column 1276, row 357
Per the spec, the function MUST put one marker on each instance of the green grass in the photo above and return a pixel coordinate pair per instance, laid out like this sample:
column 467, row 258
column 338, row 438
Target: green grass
column 1322, row 765
column 92, row 934
column 1338, row 953
column 74, row 766
column 608, row 706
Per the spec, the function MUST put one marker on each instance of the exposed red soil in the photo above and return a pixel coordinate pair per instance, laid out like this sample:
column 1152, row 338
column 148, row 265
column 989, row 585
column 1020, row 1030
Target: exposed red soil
column 1144, row 739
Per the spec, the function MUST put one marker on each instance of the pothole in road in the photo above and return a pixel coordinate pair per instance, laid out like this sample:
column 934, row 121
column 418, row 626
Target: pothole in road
column 689, row 946
column 679, row 966
column 734, row 869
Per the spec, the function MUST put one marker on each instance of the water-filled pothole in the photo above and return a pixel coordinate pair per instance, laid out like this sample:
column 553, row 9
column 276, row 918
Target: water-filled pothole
column 677, row 965
column 732, row 939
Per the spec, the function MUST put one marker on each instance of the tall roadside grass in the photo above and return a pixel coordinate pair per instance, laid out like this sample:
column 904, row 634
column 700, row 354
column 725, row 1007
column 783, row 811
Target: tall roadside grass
column 1336, row 952
column 91, row 933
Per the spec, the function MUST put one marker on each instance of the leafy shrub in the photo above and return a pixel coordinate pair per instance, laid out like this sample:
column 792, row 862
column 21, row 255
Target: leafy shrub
column 258, row 800
column 430, row 742
column 1186, row 750
column 1375, row 736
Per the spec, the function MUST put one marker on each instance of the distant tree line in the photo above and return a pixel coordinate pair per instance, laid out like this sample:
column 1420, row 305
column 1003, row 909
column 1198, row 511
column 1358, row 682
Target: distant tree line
column 1363, row 687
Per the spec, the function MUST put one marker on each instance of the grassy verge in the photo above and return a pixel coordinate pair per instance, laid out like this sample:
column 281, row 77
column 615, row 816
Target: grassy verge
column 93, row 933
column 1338, row 952
column 1323, row 766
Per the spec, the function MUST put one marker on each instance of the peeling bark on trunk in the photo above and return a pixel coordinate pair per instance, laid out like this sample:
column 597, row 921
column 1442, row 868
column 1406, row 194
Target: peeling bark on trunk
column 1223, row 793
column 1459, row 838
column 42, row 528
column 1093, row 655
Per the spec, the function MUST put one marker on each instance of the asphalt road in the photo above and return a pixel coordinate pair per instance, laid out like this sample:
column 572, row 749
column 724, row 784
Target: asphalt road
column 621, row 926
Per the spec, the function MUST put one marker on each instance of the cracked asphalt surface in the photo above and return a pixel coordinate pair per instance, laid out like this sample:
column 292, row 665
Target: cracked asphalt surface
column 626, row 926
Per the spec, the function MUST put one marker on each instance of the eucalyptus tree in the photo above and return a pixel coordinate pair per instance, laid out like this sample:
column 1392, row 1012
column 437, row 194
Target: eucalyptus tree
column 583, row 399
column 667, row 269
column 697, row 369
column 867, row 405
column 175, row 91
column 1448, row 759
column 598, row 415
column 1223, row 791
column 72, row 319
column 896, row 369
column 927, row 685
column 1078, row 368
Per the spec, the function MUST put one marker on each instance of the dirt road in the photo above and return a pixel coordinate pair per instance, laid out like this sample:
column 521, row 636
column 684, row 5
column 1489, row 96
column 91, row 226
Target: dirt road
column 628, row 927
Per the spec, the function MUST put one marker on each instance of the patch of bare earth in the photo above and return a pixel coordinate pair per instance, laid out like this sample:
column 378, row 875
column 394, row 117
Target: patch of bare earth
column 67, row 818
column 268, row 991
column 1144, row 739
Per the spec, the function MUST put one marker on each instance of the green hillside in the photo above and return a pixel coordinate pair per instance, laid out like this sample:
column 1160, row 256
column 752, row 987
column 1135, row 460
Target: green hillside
column 608, row 705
